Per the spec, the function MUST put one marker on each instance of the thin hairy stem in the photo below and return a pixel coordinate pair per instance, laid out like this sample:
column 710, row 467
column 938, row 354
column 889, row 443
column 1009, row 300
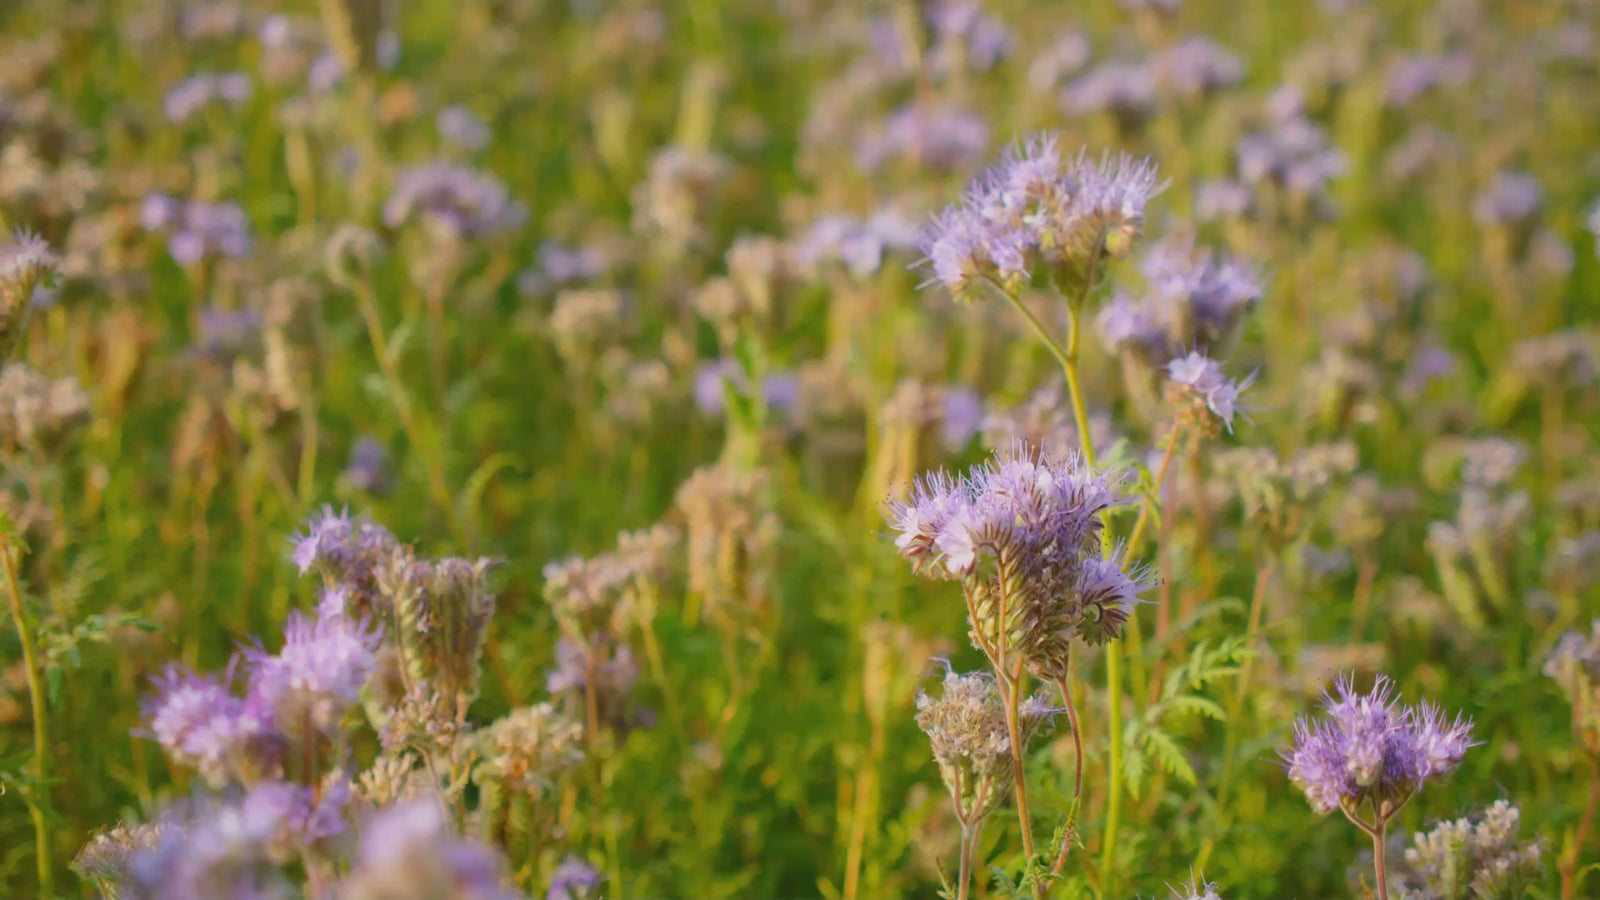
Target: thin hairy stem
column 1011, row 687
column 1568, row 865
column 969, row 838
column 1380, row 867
column 1064, row 684
column 41, row 719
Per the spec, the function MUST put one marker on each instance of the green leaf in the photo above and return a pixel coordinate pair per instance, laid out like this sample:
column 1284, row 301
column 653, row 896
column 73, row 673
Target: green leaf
column 1169, row 756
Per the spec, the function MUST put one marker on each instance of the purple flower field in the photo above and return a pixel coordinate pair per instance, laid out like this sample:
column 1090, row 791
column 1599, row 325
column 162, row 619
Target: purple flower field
column 743, row 450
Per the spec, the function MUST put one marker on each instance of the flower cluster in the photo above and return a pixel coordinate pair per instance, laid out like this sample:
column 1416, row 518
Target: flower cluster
column 1372, row 749
column 199, row 230
column 1197, row 379
column 1038, row 207
column 1574, row 665
column 1473, row 858
column 1195, row 301
column 971, row 742
column 196, row 92
column 348, row 552
column 1023, row 535
column 456, row 201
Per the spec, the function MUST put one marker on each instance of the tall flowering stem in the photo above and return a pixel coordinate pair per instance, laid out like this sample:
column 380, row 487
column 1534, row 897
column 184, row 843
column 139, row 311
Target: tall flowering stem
column 1038, row 210
column 41, row 712
column 1375, row 753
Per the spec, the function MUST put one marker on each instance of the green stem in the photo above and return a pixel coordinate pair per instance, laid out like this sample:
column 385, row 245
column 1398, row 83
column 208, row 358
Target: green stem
column 41, row 721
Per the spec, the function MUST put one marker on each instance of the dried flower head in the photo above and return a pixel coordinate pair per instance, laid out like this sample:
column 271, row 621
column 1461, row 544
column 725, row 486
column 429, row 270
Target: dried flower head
column 966, row 725
column 442, row 611
column 528, row 749
column 1473, row 858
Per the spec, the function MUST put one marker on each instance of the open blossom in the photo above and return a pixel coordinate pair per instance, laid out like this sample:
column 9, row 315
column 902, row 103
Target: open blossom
column 1202, row 378
column 200, row 723
column 1373, row 748
column 457, row 200
column 1037, row 206
column 408, row 852
column 317, row 675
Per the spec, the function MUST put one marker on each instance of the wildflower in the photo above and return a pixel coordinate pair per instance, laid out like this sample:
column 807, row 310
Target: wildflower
column 967, row 727
column 1200, row 378
column 1127, row 89
column 1292, row 152
column 1574, row 665
column 1372, row 749
column 315, row 678
column 200, row 231
column 1023, row 535
column 408, row 853
column 368, row 468
column 200, row 723
column 1511, row 199
column 26, row 264
column 347, row 552
column 1194, row 300
column 939, row 137
column 527, row 749
column 1473, row 858
column 456, row 201
column 596, row 663
column 574, row 879
column 461, row 127
column 193, row 94
column 1196, row 66
column 1036, row 207
column 1069, row 54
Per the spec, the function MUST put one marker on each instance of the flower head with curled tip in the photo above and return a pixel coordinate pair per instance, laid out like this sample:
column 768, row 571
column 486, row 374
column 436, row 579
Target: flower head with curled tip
column 1022, row 533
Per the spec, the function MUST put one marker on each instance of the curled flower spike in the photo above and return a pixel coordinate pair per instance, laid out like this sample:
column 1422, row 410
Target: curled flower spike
column 1023, row 535
column 966, row 725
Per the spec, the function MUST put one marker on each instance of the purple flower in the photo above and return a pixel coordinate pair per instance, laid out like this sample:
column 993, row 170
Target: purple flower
column 574, row 879
column 201, row 230
column 1372, row 749
column 317, row 675
column 1125, row 88
column 1203, row 378
column 368, row 469
column 200, row 723
column 962, row 416
column 936, row 137
column 1511, row 199
column 1033, row 205
column 461, row 202
column 460, row 126
column 1196, row 66
column 345, row 551
column 192, row 94
column 408, row 851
